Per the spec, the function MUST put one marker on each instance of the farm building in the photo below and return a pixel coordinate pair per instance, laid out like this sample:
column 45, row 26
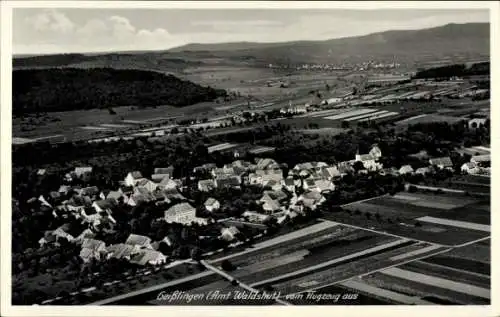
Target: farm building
column 132, row 178
column 406, row 169
column 212, row 204
column 470, row 168
column 138, row 240
column 229, row 234
column 481, row 160
column 148, row 257
column 441, row 162
column 183, row 213
column 476, row 122
column 423, row 170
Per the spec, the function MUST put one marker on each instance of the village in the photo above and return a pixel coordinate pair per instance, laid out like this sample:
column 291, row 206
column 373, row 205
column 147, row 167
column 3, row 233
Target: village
column 284, row 197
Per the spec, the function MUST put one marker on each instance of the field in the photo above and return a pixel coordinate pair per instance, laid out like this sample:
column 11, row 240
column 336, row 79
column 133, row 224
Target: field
column 469, row 183
column 355, row 265
column 428, row 118
column 448, row 278
column 399, row 213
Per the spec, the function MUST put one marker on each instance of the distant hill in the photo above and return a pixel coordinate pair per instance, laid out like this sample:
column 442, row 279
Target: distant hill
column 66, row 89
column 443, row 41
column 453, row 41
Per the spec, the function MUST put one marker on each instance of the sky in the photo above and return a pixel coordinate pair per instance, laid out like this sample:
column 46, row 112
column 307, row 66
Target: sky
column 45, row 31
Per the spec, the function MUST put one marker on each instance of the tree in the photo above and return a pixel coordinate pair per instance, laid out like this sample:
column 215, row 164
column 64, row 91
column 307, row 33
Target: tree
column 345, row 124
column 226, row 265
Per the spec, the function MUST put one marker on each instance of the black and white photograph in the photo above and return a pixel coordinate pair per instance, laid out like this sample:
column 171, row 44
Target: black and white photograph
column 257, row 156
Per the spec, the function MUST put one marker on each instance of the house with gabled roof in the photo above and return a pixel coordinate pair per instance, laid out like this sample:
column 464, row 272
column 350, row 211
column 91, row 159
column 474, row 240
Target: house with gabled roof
column 139, row 240
column 122, row 251
column 86, row 234
column 441, row 162
column 423, row 170
column 167, row 184
column 164, row 170
column 273, row 184
column 115, row 195
column 345, row 168
column 81, row 171
column 92, row 248
column 289, row 183
column 173, row 194
column 229, row 233
column 319, row 185
column 206, row 185
column 159, row 177
column 212, row 204
column 229, row 182
column 470, row 168
column 481, row 160
column 406, row 169
column 208, row 167
column 183, row 213
column 151, row 257
column 64, row 189
column 271, row 206
column 55, row 235
column 132, row 178
column 267, row 163
column 150, row 186
column 105, row 204
column 91, row 191
column 311, row 199
column 166, row 240
column 375, row 152
column 138, row 198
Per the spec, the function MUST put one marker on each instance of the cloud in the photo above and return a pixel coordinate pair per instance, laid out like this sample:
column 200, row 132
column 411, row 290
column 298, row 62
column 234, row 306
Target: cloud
column 93, row 27
column 51, row 20
column 57, row 31
column 122, row 28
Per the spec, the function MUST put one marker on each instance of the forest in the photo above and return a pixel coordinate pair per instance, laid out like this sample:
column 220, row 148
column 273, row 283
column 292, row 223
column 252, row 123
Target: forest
column 456, row 70
column 67, row 89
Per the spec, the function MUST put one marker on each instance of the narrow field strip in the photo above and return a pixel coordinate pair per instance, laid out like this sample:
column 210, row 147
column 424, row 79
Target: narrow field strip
column 331, row 262
column 380, row 292
column 18, row 140
column 416, row 252
column 110, row 125
column 366, row 115
column 93, row 128
column 350, row 114
column 411, row 118
column 434, row 204
column 456, row 223
column 48, row 137
column 405, row 197
column 454, row 269
column 269, row 264
column 380, row 116
column 133, row 121
column 438, row 282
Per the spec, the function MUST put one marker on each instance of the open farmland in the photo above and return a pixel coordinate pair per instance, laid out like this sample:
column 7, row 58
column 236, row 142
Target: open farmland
column 347, row 267
column 427, row 287
column 399, row 213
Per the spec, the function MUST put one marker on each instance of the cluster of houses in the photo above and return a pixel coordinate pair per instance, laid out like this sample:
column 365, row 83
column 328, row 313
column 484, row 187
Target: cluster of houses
column 478, row 165
column 93, row 211
column 284, row 197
